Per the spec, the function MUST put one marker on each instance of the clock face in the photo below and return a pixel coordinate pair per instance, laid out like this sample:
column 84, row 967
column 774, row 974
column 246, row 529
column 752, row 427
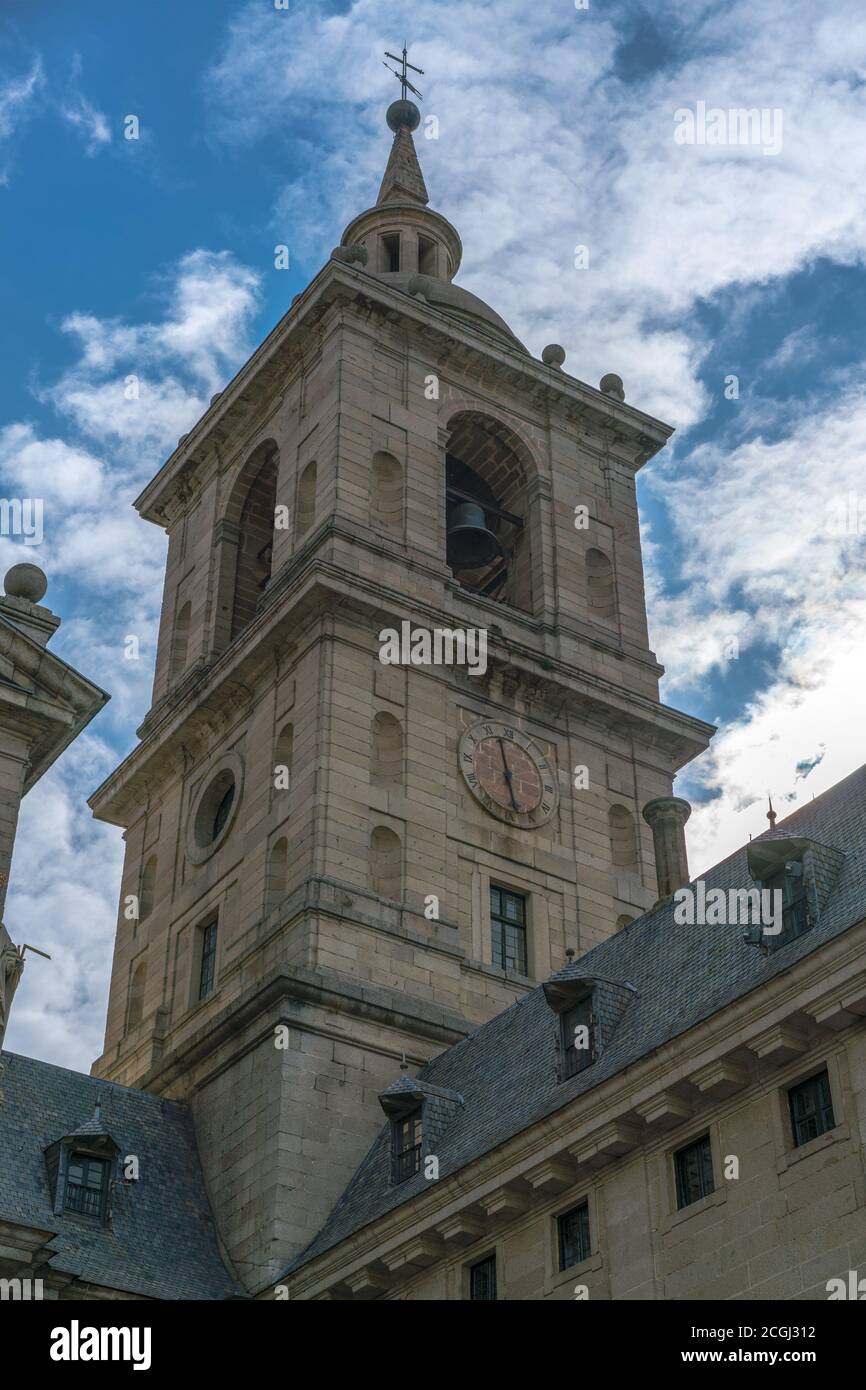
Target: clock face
column 508, row 773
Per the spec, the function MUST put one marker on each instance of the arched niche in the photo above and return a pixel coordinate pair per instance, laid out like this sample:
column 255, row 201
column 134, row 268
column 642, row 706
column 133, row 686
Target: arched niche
column 135, row 1002
column 623, row 840
column 386, row 493
column 386, row 863
column 277, row 874
column 305, row 506
column 284, row 750
column 600, row 590
column 148, row 889
column 180, row 641
column 386, row 752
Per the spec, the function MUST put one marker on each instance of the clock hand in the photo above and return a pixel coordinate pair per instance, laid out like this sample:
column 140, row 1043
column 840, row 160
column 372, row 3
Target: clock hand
column 508, row 774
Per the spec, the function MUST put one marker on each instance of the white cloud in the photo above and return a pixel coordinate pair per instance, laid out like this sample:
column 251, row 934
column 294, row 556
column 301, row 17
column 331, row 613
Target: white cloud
column 91, row 124
column 49, row 468
column 79, row 112
column 63, row 893
column 106, row 570
column 774, row 535
column 545, row 148
column 17, row 102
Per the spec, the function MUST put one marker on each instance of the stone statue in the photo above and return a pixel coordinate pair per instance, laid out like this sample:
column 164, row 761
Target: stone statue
column 11, row 965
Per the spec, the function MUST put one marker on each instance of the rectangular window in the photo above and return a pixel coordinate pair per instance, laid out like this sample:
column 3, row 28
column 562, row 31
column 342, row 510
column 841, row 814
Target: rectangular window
column 811, row 1108
column 208, row 960
column 407, row 1134
column 694, row 1169
column 578, row 1037
column 482, row 1280
column 508, row 929
column 574, row 1241
column 426, row 256
column 391, row 252
column 795, row 914
column 86, row 1185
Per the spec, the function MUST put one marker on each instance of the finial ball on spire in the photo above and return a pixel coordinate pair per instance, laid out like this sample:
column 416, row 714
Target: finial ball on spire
column 403, row 115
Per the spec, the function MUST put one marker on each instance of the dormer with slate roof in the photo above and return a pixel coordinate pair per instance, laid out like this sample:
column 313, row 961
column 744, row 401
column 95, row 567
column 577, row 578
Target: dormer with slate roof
column 81, row 1169
column 588, row 1009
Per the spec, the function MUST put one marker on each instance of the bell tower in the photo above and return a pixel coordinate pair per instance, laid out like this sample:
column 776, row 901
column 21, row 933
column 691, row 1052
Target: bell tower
column 404, row 715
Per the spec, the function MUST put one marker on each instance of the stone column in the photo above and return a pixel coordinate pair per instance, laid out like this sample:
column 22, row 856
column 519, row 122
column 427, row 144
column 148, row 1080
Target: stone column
column 667, row 816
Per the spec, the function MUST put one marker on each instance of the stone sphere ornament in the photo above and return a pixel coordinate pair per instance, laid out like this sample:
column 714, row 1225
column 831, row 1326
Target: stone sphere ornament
column 553, row 355
column 25, row 581
column 611, row 385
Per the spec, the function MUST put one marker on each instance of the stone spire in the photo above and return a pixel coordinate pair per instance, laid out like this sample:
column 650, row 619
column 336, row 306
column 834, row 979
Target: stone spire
column 401, row 235
column 403, row 178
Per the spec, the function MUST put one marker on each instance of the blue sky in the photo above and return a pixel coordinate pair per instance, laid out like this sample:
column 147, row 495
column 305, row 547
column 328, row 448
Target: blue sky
column 258, row 126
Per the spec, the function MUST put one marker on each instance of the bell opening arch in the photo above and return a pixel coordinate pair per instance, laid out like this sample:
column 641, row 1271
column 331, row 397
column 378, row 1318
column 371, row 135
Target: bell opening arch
column 488, row 469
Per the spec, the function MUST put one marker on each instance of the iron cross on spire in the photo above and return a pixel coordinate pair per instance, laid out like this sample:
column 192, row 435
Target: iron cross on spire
column 401, row 76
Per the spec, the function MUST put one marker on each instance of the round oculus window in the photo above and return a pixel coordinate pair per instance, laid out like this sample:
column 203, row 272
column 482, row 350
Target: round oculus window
column 214, row 809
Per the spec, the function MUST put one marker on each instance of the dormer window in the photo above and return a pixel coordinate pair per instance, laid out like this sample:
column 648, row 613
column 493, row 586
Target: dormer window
column 796, row 876
column 578, row 1037
column 790, row 883
column 87, row 1185
column 407, row 1138
column 589, row 1010
column 419, row 1115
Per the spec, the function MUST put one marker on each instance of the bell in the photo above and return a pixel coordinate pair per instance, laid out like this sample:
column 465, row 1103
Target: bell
column 470, row 544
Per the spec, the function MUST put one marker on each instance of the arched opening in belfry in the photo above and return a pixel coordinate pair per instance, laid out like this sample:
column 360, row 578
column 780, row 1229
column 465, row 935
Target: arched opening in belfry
column 252, row 507
column 487, row 469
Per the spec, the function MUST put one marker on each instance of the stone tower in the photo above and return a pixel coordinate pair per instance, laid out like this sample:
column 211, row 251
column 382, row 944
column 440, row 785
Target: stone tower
column 404, row 715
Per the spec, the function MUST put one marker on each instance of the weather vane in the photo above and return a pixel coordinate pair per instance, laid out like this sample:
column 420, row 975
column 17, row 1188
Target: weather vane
column 401, row 76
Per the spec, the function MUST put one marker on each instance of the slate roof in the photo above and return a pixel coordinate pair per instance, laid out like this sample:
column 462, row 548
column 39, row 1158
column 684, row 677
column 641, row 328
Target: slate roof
column 161, row 1240
column 506, row 1070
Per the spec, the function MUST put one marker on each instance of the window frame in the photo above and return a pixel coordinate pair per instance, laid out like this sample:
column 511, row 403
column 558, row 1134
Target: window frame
column 400, row 1151
column 489, row 1260
column 209, row 931
column 704, row 1142
column 572, row 1062
column 87, row 1160
column 499, row 923
column 796, row 914
column 580, row 1210
column 823, row 1074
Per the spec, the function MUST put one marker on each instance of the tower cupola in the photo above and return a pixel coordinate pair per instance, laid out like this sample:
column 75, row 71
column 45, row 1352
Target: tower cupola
column 402, row 234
